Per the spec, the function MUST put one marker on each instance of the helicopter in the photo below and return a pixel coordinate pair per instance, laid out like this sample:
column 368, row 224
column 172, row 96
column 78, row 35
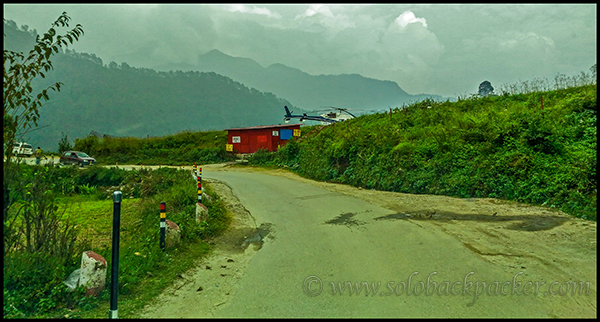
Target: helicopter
column 332, row 115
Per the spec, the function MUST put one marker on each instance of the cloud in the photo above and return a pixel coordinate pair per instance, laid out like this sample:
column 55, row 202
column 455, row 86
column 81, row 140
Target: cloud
column 408, row 17
column 399, row 41
column 314, row 9
column 443, row 49
column 321, row 18
column 253, row 10
column 516, row 40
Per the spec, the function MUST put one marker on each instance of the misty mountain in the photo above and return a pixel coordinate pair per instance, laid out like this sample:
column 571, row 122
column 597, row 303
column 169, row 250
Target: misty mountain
column 307, row 91
column 120, row 100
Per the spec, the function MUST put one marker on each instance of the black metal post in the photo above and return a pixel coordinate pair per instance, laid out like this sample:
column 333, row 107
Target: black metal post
column 163, row 224
column 114, row 278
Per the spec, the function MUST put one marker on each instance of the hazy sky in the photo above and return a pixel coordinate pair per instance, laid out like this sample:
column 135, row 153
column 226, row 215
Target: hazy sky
column 436, row 49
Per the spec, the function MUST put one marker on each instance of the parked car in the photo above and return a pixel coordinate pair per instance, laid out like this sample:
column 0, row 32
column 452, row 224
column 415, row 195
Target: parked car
column 76, row 157
column 22, row 148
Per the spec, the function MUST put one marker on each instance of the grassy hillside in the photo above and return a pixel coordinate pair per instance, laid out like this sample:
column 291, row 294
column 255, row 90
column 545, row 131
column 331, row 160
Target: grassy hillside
column 506, row 147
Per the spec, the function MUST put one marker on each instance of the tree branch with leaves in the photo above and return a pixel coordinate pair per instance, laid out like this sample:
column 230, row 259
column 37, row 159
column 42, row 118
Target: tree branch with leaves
column 21, row 113
column 21, row 106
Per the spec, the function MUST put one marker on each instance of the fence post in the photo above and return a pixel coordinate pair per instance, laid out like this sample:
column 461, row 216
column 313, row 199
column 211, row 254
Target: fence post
column 199, row 180
column 114, row 272
column 163, row 224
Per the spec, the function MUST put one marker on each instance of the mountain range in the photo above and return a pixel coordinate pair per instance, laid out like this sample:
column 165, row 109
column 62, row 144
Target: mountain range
column 306, row 91
column 217, row 93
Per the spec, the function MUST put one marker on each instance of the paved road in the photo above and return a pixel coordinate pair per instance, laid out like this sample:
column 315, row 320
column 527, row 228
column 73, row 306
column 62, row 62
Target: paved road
column 322, row 238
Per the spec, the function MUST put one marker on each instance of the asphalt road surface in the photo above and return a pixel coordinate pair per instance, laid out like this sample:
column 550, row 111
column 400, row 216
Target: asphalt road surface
column 332, row 254
column 330, row 250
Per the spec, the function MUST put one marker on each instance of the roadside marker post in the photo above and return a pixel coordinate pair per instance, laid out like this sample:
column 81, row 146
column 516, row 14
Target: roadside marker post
column 163, row 225
column 199, row 180
column 113, row 313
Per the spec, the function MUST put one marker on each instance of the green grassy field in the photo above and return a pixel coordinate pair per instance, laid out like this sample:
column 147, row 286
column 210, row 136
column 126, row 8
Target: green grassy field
column 33, row 281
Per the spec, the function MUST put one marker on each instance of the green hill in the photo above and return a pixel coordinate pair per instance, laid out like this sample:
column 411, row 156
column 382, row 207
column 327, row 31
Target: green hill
column 506, row 147
column 120, row 100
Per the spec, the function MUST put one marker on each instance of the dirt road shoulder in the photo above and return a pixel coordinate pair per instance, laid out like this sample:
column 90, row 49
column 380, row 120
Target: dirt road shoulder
column 210, row 285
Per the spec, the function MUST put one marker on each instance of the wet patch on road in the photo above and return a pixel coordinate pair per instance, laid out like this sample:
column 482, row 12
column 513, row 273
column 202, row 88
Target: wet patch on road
column 257, row 236
column 237, row 240
column 524, row 223
column 345, row 220
column 410, row 216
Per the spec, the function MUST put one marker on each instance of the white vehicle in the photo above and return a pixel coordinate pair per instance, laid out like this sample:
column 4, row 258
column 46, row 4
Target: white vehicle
column 22, row 148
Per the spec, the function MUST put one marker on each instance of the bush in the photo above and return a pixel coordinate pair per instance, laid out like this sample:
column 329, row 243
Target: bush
column 261, row 157
column 64, row 144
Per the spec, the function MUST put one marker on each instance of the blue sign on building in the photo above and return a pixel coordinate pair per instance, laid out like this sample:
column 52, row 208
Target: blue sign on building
column 286, row 134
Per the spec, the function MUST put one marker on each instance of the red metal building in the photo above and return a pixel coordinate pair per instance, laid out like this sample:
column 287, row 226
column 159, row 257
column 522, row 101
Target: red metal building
column 251, row 139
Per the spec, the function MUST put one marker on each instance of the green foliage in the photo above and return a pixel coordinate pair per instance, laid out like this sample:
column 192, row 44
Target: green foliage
column 64, row 144
column 21, row 106
column 485, row 88
column 178, row 191
column 40, row 244
column 184, row 147
column 504, row 147
column 33, row 281
column 33, row 285
column 261, row 156
column 32, row 222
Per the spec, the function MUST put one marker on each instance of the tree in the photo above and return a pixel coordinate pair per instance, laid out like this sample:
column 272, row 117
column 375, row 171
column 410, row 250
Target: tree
column 485, row 88
column 21, row 107
column 64, row 144
column 21, row 113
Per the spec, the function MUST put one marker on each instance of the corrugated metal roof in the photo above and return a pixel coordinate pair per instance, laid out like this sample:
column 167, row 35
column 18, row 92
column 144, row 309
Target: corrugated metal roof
column 264, row 127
